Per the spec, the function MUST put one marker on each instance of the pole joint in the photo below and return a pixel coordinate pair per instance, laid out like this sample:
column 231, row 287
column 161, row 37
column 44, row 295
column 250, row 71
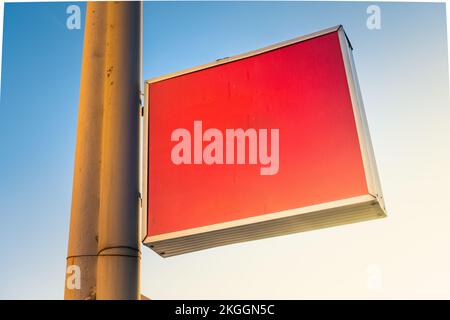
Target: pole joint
column 119, row 251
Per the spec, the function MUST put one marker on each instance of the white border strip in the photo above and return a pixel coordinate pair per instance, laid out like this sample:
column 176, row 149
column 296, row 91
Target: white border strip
column 144, row 167
column 263, row 217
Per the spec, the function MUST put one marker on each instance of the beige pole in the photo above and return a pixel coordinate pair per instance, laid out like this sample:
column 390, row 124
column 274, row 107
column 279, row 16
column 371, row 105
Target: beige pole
column 119, row 252
column 104, row 227
column 82, row 247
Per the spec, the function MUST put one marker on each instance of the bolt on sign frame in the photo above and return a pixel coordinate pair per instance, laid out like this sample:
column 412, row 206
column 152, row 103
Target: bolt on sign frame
column 308, row 89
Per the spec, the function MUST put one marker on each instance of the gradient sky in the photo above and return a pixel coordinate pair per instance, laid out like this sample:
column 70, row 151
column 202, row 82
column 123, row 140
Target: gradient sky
column 403, row 73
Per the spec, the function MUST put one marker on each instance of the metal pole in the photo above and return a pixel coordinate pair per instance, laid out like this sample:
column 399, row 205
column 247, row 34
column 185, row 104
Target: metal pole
column 82, row 246
column 118, row 255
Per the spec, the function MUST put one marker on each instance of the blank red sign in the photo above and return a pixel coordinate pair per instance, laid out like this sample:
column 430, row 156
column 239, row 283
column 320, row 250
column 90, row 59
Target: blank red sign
column 300, row 89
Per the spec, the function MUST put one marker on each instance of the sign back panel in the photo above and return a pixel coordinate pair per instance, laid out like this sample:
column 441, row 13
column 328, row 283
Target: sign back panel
column 296, row 104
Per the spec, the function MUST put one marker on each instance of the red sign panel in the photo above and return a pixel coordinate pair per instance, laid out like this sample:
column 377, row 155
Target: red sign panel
column 261, row 144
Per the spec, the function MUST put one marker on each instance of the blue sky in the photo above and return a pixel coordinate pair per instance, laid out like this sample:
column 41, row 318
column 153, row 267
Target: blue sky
column 403, row 71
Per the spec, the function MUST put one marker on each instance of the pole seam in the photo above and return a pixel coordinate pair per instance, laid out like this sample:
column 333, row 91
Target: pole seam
column 81, row 256
column 117, row 247
column 120, row 255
